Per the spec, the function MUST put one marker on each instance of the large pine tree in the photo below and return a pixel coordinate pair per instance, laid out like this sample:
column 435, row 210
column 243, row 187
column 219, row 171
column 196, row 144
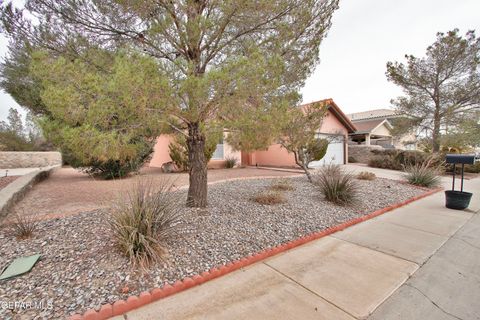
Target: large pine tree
column 227, row 63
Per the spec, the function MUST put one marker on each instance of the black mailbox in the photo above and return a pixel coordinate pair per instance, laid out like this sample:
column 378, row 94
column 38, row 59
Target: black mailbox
column 458, row 199
column 460, row 158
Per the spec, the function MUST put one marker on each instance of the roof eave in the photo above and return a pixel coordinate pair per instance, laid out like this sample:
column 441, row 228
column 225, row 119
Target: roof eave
column 341, row 116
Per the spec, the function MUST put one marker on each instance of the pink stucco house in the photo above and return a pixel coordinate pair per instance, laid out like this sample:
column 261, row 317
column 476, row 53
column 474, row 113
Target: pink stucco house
column 336, row 126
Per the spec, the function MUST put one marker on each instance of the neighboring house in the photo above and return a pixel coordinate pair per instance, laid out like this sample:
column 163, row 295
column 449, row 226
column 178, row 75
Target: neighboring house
column 336, row 127
column 374, row 127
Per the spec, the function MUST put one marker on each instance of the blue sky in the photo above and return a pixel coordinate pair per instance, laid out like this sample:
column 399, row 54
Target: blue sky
column 364, row 36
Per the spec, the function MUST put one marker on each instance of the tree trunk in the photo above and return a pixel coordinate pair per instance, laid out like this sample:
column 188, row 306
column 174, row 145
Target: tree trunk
column 436, row 131
column 299, row 160
column 309, row 175
column 197, row 190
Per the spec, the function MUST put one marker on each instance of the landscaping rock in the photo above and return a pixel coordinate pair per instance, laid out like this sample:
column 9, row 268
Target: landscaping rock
column 81, row 267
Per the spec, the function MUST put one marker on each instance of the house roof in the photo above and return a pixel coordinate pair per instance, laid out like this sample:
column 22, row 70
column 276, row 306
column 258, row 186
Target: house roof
column 368, row 126
column 337, row 112
column 373, row 114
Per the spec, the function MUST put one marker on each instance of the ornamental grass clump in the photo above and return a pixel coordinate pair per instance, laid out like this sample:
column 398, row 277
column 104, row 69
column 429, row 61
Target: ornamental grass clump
column 24, row 226
column 336, row 185
column 365, row 175
column 230, row 162
column 142, row 222
column 269, row 198
column 281, row 185
column 423, row 174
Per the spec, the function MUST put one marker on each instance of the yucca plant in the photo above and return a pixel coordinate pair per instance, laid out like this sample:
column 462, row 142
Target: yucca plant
column 144, row 220
column 24, row 226
column 423, row 174
column 336, row 185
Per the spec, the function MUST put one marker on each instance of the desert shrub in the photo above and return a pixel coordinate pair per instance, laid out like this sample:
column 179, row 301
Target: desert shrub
column 24, row 226
column 336, row 185
column 106, row 155
column 230, row 162
column 384, row 162
column 471, row 168
column 410, row 157
column 144, row 220
column 269, row 198
column 365, row 175
column 422, row 174
column 179, row 154
column 395, row 159
column 352, row 159
column 178, row 150
column 281, row 185
column 111, row 169
column 384, row 152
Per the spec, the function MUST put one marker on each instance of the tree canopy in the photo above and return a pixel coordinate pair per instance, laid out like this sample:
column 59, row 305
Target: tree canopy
column 19, row 135
column 103, row 119
column 442, row 89
column 225, row 62
column 299, row 134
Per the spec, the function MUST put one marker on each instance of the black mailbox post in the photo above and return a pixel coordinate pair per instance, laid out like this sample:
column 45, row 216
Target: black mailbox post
column 458, row 200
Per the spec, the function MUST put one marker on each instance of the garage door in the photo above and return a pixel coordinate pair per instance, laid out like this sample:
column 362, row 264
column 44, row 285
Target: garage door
column 334, row 154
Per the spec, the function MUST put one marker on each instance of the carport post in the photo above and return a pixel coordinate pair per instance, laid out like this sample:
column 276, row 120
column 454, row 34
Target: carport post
column 367, row 139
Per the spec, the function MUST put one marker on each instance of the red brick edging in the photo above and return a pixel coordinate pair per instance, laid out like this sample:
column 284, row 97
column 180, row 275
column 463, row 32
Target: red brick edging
column 133, row 302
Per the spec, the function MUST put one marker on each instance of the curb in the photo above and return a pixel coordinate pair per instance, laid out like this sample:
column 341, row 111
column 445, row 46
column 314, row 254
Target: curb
column 294, row 170
column 133, row 302
column 15, row 191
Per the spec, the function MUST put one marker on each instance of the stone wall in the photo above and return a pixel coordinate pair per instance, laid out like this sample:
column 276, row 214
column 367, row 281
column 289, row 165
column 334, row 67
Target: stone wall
column 361, row 153
column 14, row 159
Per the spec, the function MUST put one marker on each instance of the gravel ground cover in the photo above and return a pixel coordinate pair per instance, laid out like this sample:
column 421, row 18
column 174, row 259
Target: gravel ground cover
column 81, row 268
column 4, row 181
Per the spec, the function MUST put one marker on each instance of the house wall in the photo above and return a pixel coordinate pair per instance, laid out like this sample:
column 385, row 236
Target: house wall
column 161, row 153
column 382, row 131
column 331, row 124
column 400, row 143
column 277, row 156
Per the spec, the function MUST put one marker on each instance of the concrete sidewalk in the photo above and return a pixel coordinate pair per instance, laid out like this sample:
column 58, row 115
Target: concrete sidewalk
column 447, row 287
column 17, row 171
column 420, row 261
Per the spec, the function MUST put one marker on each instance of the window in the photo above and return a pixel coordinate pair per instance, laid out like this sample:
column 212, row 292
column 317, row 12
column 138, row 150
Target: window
column 218, row 154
